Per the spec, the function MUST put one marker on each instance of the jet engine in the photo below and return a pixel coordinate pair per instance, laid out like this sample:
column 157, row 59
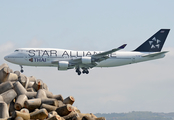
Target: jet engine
column 86, row 60
column 63, row 65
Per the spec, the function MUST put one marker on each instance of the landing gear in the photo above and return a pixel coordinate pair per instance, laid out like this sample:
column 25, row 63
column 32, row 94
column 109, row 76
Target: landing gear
column 85, row 71
column 78, row 71
column 21, row 69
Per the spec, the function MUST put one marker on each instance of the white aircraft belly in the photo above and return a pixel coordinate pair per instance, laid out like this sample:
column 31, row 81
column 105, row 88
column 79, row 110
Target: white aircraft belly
column 111, row 62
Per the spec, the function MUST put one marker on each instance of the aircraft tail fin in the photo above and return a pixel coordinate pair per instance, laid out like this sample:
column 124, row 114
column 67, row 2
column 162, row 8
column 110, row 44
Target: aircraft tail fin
column 154, row 43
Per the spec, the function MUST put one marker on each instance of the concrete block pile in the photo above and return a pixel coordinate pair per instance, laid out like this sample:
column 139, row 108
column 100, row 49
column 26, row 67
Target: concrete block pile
column 24, row 98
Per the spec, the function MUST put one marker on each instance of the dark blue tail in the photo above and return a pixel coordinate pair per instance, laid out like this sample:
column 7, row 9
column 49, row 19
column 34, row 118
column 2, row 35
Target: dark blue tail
column 154, row 43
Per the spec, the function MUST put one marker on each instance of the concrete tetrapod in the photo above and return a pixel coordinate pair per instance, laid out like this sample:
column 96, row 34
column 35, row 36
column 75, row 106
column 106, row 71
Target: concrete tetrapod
column 3, row 65
column 3, row 110
column 56, row 117
column 38, row 84
column 11, row 107
column 52, row 113
column 31, row 95
column 32, row 79
column 19, row 88
column 69, row 100
column 25, row 116
column 45, row 86
column 39, row 114
column 50, row 101
column 30, row 85
column 11, row 77
column 41, row 94
column 49, row 108
column 75, row 109
column 64, row 110
column 8, row 96
column 70, row 115
column 92, row 115
column 30, row 90
column 17, row 73
column 4, row 73
column 87, row 114
column 49, row 94
column 32, row 104
column 5, row 86
column 58, row 97
column 60, row 103
column 27, row 83
column 22, row 79
column 19, row 104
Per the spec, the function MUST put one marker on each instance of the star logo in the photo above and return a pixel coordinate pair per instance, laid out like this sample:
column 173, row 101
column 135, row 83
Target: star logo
column 154, row 43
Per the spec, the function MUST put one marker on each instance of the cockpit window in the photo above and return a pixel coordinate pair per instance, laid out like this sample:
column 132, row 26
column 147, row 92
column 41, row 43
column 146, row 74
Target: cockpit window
column 16, row 50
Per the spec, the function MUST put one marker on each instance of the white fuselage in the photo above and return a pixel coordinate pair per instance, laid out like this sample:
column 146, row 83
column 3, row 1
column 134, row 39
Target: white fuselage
column 84, row 60
column 45, row 57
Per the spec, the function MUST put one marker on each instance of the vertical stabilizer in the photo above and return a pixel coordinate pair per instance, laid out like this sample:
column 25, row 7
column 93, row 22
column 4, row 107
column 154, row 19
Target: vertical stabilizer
column 154, row 43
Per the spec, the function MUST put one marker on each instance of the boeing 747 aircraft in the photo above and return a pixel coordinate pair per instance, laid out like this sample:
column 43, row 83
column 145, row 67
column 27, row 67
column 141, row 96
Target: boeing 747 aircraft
column 84, row 60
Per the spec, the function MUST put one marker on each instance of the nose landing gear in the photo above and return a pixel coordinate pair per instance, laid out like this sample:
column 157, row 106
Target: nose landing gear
column 21, row 69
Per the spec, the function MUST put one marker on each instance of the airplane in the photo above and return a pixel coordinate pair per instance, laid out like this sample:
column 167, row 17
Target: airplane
column 65, row 59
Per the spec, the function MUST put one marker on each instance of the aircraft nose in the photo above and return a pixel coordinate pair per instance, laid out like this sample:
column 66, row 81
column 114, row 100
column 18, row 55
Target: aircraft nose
column 6, row 58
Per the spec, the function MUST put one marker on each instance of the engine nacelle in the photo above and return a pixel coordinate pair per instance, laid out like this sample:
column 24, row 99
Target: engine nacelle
column 63, row 65
column 86, row 60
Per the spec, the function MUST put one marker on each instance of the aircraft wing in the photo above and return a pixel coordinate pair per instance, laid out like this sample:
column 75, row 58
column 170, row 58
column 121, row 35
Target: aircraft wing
column 104, row 55
column 94, row 58
column 155, row 54
column 108, row 52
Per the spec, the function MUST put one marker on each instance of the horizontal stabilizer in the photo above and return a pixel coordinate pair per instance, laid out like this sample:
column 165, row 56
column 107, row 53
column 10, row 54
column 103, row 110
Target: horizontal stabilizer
column 155, row 54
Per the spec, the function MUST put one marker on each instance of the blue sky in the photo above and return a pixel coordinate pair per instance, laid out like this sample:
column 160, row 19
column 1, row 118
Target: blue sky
column 95, row 25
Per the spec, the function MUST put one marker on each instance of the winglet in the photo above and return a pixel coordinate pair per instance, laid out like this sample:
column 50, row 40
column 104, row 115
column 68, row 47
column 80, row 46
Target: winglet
column 123, row 46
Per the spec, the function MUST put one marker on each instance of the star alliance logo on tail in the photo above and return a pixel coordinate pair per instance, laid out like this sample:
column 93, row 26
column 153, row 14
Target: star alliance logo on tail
column 154, row 43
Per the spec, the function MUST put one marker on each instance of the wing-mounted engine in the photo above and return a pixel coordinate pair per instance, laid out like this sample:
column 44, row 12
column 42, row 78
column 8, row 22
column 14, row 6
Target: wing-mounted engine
column 86, row 60
column 63, row 65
